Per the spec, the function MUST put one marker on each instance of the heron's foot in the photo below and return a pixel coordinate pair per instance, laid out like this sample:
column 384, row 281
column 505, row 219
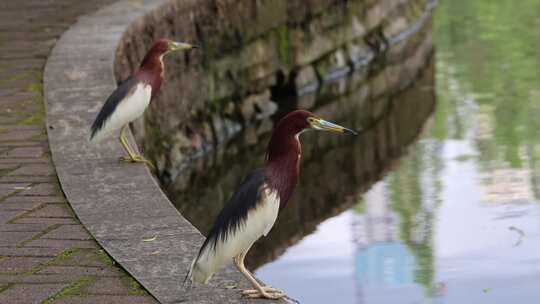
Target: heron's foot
column 137, row 159
column 265, row 288
column 267, row 293
column 126, row 158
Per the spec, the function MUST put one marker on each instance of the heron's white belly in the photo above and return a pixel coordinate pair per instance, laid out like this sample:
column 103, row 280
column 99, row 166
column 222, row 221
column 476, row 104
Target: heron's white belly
column 259, row 221
column 129, row 109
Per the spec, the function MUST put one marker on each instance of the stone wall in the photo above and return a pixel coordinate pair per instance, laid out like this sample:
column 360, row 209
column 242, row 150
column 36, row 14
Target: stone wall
column 253, row 53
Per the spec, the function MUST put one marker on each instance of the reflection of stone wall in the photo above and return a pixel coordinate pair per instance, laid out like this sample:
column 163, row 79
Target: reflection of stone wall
column 335, row 170
column 253, row 50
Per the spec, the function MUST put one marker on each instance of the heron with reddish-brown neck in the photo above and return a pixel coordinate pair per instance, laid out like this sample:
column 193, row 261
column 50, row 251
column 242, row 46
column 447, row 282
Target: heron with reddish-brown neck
column 132, row 97
column 253, row 209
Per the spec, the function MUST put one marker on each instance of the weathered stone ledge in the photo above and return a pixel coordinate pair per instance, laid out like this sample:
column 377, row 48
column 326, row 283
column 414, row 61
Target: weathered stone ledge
column 120, row 204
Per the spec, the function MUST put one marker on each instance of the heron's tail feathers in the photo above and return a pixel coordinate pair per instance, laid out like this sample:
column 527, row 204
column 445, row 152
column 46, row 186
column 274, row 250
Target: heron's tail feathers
column 199, row 272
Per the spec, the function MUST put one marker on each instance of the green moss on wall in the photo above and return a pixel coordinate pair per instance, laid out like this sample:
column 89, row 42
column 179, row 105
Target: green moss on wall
column 283, row 45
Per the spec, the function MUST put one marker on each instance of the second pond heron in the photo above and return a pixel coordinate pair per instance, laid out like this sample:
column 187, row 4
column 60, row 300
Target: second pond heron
column 132, row 97
column 253, row 208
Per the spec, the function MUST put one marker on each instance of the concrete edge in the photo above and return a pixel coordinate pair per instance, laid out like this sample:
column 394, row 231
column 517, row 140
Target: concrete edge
column 120, row 204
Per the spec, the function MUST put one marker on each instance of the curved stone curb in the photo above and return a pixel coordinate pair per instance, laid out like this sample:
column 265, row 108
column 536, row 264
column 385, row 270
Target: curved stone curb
column 120, row 204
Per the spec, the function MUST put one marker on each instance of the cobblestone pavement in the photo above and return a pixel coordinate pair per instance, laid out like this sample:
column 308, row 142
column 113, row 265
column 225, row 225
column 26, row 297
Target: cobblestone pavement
column 46, row 255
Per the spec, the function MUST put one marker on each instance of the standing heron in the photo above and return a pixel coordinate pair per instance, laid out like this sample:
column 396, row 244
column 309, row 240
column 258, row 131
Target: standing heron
column 253, row 208
column 132, row 97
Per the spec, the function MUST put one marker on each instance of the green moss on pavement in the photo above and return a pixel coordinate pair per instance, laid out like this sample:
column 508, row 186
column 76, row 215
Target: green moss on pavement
column 72, row 289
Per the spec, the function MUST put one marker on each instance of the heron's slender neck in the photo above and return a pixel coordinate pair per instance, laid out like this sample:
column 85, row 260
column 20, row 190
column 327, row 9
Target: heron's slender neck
column 282, row 164
column 151, row 70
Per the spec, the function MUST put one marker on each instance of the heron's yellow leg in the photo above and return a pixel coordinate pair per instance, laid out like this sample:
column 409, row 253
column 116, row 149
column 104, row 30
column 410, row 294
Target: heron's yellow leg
column 259, row 291
column 125, row 145
column 132, row 156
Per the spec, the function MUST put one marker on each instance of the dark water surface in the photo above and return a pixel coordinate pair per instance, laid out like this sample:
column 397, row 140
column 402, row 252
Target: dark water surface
column 451, row 213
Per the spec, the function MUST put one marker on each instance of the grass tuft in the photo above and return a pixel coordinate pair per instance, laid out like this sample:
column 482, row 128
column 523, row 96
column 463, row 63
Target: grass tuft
column 105, row 258
column 72, row 289
column 135, row 289
column 35, row 119
column 61, row 257
column 4, row 287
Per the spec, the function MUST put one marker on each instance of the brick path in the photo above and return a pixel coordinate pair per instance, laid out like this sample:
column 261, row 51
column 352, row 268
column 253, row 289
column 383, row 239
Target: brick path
column 46, row 255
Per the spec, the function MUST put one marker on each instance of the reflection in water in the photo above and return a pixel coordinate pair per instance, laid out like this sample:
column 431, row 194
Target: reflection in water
column 389, row 243
column 333, row 178
column 458, row 220
column 393, row 231
column 335, row 170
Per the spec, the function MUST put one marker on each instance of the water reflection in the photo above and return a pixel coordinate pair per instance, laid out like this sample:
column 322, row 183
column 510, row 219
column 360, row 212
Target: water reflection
column 381, row 249
column 335, row 170
column 458, row 219
column 393, row 231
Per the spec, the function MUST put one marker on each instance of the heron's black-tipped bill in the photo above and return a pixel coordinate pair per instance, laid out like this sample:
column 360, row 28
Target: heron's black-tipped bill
column 323, row 125
column 177, row 46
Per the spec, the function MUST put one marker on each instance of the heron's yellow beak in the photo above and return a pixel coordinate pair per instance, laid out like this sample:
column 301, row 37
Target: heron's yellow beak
column 323, row 125
column 177, row 46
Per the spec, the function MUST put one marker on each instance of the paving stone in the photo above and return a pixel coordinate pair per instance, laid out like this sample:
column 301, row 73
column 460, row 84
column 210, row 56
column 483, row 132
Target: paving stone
column 29, row 293
column 50, row 243
column 23, row 227
column 69, row 232
column 104, row 286
column 29, row 252
column 9, row 215
column 35, row 199
column 40, row 189
column 52, row 210
column 21, row 127
column 82, row 270
column 34, row 170
column 8, row 166
column 16, row 265
column 83, row 257
column 15, row 238
column 19, row 135
column 38, row 278
column 26, row 178
column 30, row 152
column 9, row 119
column 45, row 220
column 19, row 206
column 107, row 300
column 22, row 160
column 8, row 189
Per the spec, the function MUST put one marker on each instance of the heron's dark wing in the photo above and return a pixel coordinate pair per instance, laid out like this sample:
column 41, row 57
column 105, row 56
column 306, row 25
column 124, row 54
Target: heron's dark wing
column 236, row 210
column 125, row 89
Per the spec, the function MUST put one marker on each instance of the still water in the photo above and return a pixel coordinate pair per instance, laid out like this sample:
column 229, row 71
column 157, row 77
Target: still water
column 457, row 220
